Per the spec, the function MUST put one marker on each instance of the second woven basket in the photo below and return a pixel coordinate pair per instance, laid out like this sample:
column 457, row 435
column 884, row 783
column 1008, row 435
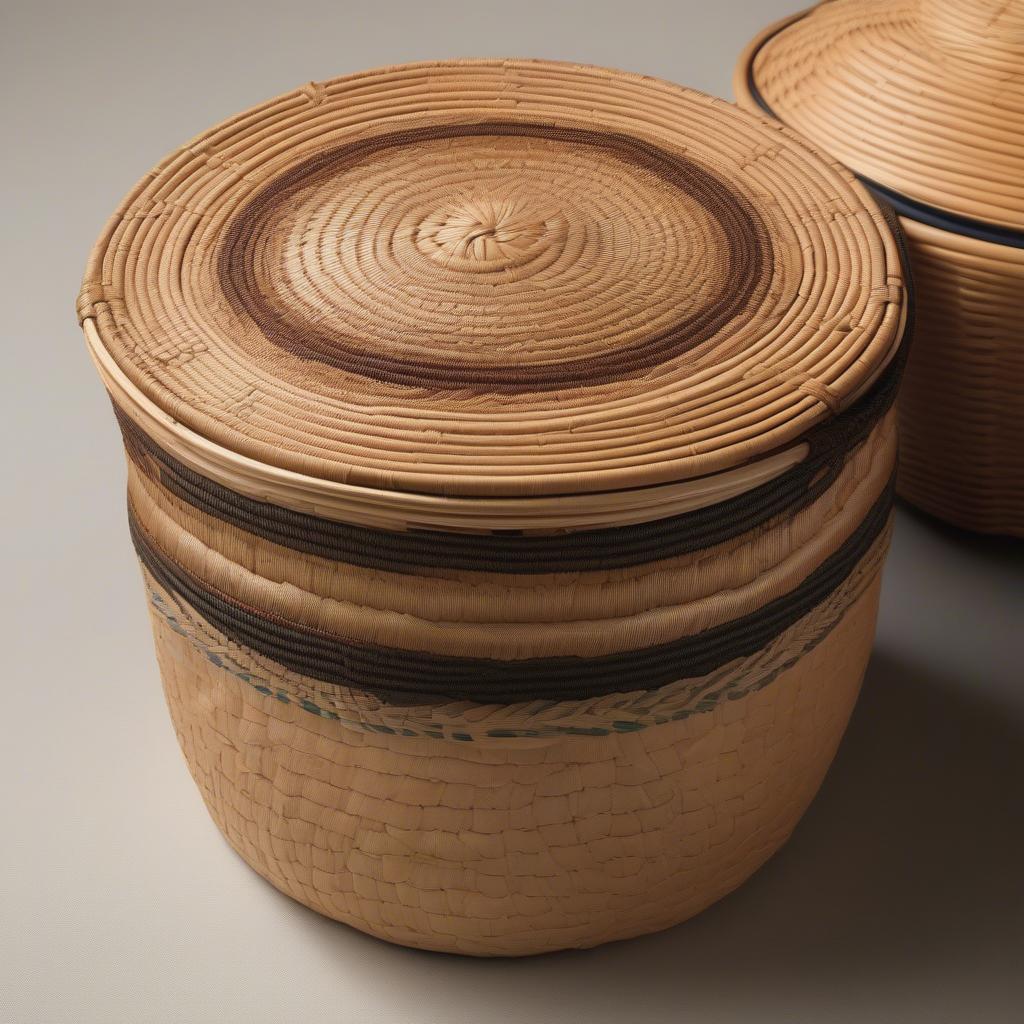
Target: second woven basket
column 510, row 466
column 924, row 99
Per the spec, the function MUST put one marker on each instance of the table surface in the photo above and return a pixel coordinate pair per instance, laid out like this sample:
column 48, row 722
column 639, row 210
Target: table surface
column 900, row 897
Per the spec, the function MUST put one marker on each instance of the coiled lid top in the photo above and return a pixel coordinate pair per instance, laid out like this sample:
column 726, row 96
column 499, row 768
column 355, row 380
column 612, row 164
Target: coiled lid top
column 923, row 97
column 490, row 279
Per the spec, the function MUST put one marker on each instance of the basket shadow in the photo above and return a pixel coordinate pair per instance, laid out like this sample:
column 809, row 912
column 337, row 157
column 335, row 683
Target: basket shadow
column 987, row 548
column 908, row 861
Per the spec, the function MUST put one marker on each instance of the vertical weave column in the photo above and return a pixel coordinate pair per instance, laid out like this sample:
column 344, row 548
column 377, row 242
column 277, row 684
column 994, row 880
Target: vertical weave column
column 962, row 429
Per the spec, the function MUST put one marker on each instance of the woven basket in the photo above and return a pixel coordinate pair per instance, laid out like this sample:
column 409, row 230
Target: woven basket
column 924, row 99
column 510, row 464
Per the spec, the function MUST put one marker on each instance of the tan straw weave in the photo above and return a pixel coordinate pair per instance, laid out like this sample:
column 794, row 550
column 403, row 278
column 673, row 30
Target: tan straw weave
column 510, row 464
column 924, row 99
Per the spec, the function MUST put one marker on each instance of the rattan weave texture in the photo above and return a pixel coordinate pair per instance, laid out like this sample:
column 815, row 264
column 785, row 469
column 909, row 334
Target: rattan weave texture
column 924, row 99
column 496, row 278
column 511, row 450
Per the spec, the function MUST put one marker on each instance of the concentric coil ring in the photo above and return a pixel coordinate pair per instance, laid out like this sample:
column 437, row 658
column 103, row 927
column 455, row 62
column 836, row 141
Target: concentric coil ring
column 924, row 97
column 497, row 278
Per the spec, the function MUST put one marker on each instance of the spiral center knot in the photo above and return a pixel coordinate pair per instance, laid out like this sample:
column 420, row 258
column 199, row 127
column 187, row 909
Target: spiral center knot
column 485, row 234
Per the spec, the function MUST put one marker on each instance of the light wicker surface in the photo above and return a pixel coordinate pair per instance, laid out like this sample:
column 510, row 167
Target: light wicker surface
column 503, row 278
column 926, row 99
column 511, row 449
column 517, row 828
column 513, row 616
column 962, row 400
column 493, row 850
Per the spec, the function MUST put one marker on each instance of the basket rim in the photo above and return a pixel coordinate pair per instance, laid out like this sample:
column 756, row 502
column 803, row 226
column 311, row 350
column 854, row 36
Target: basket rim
column 588, row 496
column 345, row 502
column 1008, row 231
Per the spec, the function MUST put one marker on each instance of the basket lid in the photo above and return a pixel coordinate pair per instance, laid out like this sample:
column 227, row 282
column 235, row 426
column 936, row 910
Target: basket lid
column 922, row 97
column 490, row 279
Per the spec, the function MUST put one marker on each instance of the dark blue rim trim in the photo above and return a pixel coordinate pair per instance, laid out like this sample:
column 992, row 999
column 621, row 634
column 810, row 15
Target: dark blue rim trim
column 904, row 206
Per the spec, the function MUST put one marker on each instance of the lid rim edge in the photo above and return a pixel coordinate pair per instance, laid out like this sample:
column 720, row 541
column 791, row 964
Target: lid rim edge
column 904, row 205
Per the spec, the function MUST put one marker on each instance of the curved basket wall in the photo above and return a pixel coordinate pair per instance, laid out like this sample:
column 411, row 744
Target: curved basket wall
column 961, row 423
column 510, row 458
column 941, row 143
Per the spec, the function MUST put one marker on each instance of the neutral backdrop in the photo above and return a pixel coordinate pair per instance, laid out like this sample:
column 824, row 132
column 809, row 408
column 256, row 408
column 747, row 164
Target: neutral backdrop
column 900, row 897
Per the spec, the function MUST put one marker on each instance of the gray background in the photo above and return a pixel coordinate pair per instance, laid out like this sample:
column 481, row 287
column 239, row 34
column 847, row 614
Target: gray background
column 898, row 899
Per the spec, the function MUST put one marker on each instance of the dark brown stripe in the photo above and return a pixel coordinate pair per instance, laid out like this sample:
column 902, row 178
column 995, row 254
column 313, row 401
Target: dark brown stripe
column 747, row 254
column 402, row 676
column 530, row 554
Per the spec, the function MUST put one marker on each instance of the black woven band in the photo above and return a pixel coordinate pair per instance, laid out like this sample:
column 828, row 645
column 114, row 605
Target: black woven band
column 405, row 676
column 512, row 552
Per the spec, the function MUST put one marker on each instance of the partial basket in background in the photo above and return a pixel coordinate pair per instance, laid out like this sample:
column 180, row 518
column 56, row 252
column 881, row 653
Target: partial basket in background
column 924, row 99
column 510, row 464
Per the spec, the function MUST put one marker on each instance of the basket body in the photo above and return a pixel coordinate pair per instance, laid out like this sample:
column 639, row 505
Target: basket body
column 511, row 453
column 518, row 828
column 961, row 423
column 924, row 140
column 492, row 850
